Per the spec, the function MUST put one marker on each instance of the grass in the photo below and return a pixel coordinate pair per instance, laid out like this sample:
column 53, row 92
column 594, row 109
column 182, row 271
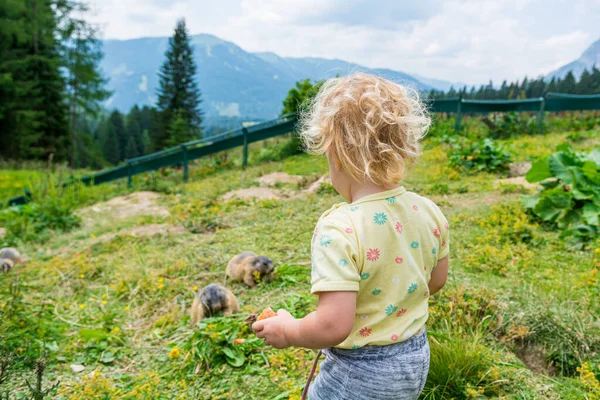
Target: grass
column 119, row 307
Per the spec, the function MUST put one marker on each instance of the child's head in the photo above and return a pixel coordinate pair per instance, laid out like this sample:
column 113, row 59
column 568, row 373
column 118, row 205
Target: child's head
column 369, row 127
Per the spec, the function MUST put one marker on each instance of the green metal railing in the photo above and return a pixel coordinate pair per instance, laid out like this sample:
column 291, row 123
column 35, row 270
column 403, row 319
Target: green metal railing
column 186, row 152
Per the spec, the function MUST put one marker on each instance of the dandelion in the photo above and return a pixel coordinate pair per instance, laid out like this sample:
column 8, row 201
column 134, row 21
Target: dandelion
column 174, row 353
column 116, row 329
column 161, row 279
column 93, row 236
column 127, row 308
column 104, row 302
column 162, row 285
column 81, row 276
column 195, row 288
column 82, row 306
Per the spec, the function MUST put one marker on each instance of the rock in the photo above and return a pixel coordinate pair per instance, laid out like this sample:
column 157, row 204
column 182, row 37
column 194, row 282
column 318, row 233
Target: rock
column 278, row 177
column 254, row 192
column 519, row 168
column 77, row 368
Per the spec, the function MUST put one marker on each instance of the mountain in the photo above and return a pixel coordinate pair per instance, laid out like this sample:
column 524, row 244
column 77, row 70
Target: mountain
column 589, row 59
column 234, row 83
column 440, row 84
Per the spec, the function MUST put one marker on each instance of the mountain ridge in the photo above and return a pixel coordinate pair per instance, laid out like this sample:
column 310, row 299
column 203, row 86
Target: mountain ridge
column 234, row 83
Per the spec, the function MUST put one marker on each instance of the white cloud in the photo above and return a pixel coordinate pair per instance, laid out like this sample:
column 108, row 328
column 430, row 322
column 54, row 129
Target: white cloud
column 143, row 86
column 459, row 40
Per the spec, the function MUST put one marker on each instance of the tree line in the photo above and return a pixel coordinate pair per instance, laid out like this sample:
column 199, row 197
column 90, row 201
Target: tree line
column 588, row 83
column 52, row 91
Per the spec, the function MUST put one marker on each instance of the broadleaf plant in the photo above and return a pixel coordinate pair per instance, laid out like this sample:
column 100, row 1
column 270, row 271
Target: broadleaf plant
column 570, row 194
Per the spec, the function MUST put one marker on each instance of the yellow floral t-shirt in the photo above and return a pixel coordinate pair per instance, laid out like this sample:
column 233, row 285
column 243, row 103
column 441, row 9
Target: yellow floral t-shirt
column 383, row 246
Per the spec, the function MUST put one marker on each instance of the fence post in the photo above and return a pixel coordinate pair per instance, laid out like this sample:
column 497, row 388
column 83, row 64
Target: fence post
column 185, row 163
column 129, row 175
column 245, row 159
column 458, row 117
column 540, row 116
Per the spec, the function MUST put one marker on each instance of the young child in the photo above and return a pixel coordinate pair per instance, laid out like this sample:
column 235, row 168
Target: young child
column 376, row 259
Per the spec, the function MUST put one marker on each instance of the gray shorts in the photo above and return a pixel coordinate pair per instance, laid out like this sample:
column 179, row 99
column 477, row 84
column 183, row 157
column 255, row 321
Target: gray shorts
column 395, row 372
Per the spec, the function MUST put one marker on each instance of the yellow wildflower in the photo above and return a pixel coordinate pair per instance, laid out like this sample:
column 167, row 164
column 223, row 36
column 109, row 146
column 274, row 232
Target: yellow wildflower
column 116, row 329
column 82, row 306
column 104, row 302
column 195, row 288
column 174, row 353
column 93, row 236
column 127, row 308
column 162, row 285
column 81, row 276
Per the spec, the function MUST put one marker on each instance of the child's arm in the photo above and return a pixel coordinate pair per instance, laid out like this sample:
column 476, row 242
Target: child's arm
column 438, row 276
column 329, row 326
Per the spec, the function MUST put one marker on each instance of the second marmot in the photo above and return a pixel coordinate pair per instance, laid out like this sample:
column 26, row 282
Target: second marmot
column 250, row 268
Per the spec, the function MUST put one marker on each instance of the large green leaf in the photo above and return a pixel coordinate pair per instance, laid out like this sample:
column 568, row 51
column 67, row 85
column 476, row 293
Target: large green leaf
column 591, row 213
column 591, row 171
column 539, row 171
column 91, row 334
column 530, row 201
column 559, row 166
column 234, row 357
column 553, row 204
column 594, row 156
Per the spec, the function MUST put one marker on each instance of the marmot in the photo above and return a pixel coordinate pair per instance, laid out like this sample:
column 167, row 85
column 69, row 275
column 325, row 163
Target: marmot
column 6, row 264
column 250, row 268
column 213, row 299
column 13, row 255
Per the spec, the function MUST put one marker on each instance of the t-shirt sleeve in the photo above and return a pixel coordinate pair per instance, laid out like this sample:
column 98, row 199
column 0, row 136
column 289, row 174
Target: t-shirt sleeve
column 444, row 236
column 334, row 258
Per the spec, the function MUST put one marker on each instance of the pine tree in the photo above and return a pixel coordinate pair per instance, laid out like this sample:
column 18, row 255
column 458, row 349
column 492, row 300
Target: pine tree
column 568, row 84
column 179, row 131
column 81, row 54
column 111, row 150
column 116, row 120
column 178, row 91
column 131, row 150
column 135, row 131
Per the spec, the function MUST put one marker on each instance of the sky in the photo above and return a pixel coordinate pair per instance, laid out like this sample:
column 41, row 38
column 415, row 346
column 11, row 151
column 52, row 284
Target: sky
column 468, row 41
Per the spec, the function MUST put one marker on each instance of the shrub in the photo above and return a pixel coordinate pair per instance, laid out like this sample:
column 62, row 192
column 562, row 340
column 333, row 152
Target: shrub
column 505, row 125
column 481, row 155
column 570, row 198
column 52, row 208
column 460, row 368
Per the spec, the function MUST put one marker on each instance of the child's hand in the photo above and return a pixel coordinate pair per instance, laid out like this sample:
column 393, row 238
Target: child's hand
column 273, row 330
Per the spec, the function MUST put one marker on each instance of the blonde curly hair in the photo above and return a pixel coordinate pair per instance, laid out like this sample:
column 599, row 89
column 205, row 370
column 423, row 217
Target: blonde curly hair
column 373, row 125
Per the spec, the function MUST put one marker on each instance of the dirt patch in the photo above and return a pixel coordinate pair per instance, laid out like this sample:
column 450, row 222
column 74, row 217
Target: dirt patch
column 145, row 231
column 314, row 187
column 534, row 357
column 519, row 168
column 518, row 180
column 278, row 177
column 139, row 203
column 254, row 193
